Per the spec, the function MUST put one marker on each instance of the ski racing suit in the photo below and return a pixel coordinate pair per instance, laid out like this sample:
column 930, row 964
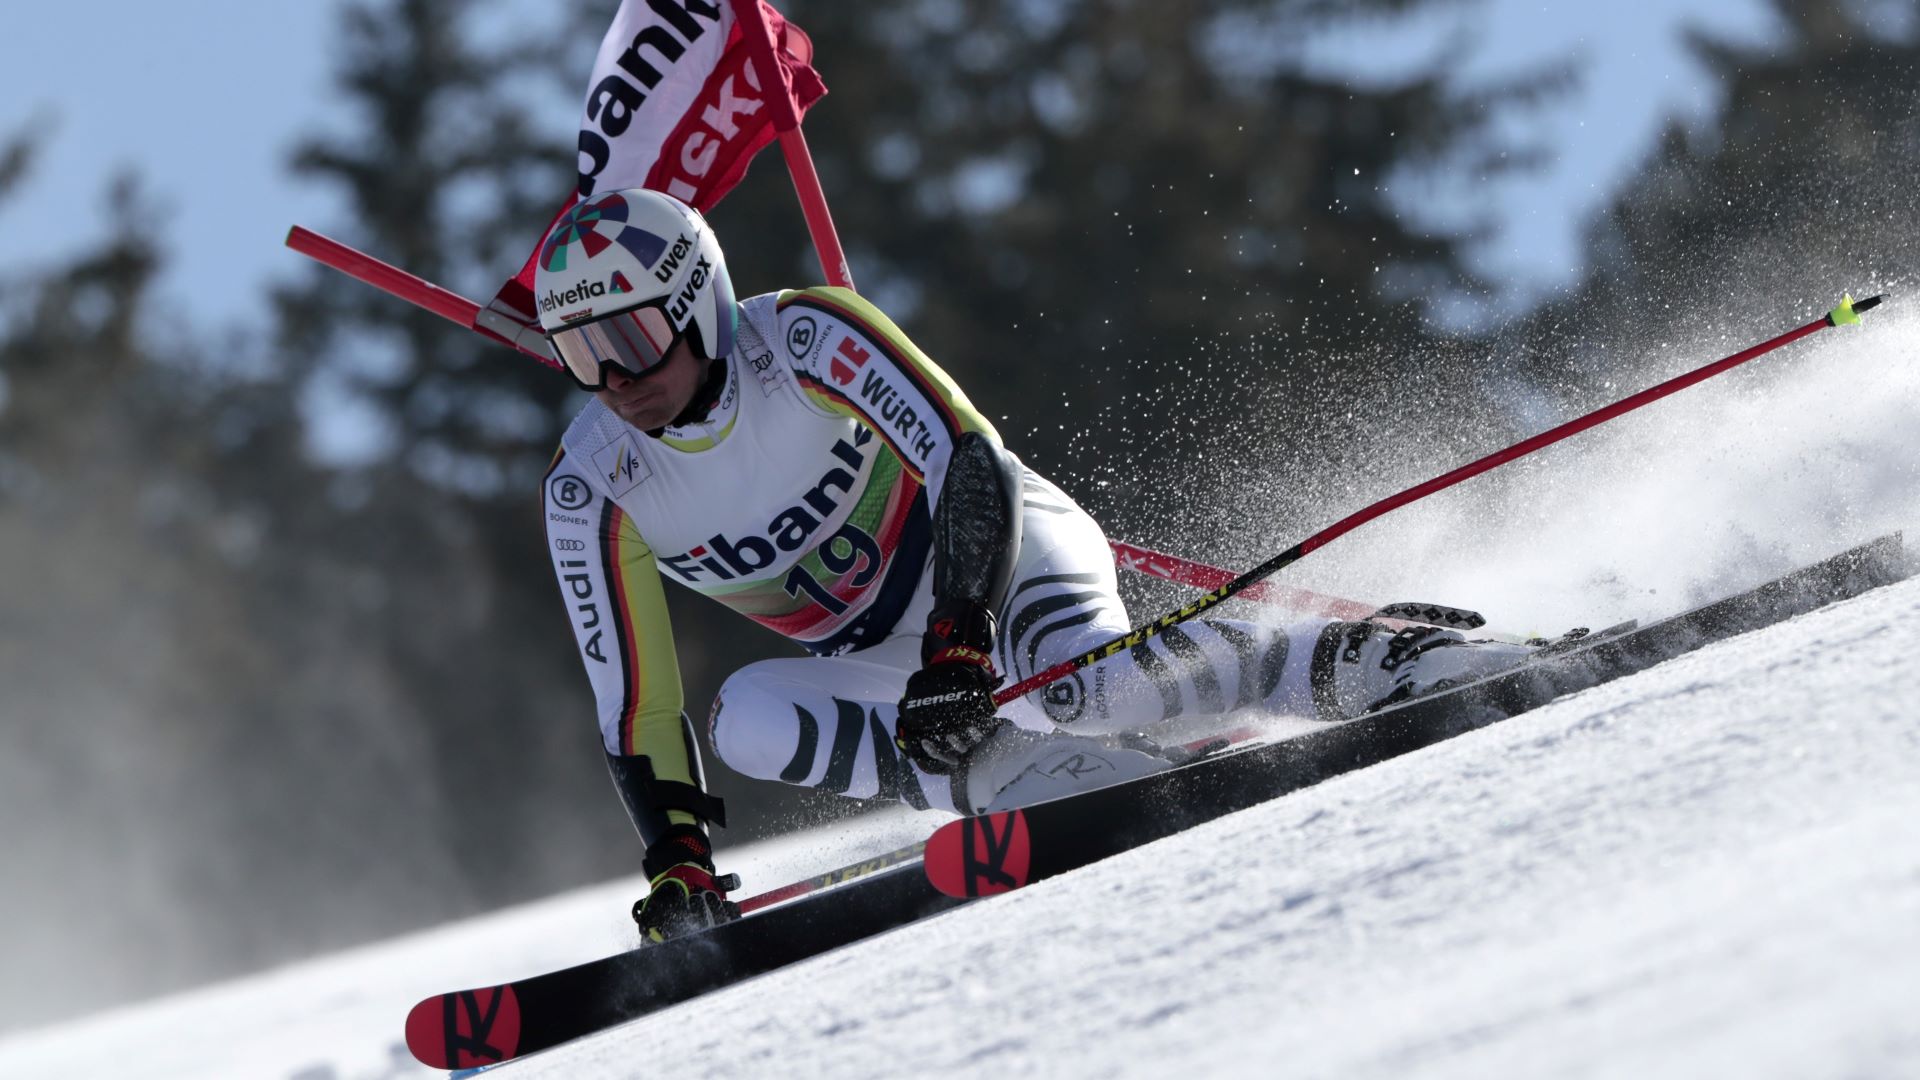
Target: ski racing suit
column 808, row 499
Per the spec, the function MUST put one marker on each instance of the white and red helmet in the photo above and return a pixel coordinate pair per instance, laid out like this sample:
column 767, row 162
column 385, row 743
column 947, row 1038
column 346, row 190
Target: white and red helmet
column 624, row 276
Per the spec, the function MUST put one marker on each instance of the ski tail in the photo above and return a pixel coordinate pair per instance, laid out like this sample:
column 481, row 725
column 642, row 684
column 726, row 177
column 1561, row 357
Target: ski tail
column 467, row 1029
column 980, row 856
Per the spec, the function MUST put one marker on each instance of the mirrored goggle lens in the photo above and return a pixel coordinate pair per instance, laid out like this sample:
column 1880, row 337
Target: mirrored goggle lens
column 635, row 340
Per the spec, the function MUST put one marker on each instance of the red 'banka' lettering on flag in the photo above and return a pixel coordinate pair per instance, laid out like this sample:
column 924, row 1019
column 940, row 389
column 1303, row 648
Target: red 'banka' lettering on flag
column 677, row 105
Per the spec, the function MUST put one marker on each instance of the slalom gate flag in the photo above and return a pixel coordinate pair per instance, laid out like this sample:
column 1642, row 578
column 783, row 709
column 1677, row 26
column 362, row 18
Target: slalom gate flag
column 676, row 105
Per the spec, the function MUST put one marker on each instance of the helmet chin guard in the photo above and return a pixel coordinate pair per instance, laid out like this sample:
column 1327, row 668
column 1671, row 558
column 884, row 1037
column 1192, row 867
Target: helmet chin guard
column 622, row 277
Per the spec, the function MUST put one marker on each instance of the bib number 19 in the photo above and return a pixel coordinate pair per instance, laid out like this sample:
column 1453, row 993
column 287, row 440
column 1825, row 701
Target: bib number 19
column 842, row 552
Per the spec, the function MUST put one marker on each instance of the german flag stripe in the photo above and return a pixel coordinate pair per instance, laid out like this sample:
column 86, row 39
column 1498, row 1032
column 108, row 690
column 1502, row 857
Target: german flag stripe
column 611, row 520
column 828, row 396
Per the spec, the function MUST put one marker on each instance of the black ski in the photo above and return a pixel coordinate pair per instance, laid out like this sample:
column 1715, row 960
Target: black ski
column 998, row 852
column 469, row 1029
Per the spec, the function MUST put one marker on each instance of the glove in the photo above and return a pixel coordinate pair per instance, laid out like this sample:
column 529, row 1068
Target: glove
column 685, row 896
column 948, row 708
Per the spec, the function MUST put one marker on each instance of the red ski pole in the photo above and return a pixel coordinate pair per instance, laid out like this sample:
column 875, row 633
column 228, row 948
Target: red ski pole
column 1845, row 314
column 1188, row 572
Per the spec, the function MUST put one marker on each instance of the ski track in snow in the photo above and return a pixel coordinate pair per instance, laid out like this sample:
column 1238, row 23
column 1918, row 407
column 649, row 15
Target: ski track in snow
column 1708, row 869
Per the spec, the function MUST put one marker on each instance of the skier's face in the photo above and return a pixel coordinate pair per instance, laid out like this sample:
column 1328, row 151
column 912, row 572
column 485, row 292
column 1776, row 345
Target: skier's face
column 651, row 400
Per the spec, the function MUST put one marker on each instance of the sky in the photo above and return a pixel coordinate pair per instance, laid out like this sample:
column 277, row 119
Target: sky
column 1632, row 76
column 204, row 99
column 201, row 100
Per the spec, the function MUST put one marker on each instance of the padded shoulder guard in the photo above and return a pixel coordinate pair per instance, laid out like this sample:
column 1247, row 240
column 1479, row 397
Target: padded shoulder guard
column 976, row 527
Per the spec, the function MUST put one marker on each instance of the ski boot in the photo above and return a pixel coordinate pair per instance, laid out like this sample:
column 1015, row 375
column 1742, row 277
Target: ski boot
column 1361, row 666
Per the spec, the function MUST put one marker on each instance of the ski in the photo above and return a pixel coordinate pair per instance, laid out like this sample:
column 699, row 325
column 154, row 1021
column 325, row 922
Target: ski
column 999, row 852
column 471, row 1029
column 832, row 878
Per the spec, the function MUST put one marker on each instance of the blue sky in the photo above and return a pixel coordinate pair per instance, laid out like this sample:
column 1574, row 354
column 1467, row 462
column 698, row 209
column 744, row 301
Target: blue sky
column 1633, row 75
column 204, row 98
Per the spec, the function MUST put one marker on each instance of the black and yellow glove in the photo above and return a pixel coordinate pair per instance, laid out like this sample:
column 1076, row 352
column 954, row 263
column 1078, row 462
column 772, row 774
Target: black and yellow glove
column 686, row 894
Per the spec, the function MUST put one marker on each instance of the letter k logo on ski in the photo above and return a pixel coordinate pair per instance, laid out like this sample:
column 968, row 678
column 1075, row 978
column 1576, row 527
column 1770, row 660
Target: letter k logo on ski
column 847, row 357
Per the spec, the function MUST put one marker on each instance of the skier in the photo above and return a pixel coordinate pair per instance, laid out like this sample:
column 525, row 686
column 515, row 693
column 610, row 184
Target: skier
column 797, row 458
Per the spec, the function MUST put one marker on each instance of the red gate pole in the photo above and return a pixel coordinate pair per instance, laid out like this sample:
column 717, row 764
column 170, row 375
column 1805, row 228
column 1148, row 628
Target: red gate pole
column 793, row 144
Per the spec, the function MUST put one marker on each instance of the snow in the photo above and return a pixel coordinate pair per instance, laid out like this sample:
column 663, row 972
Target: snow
column 1710, row 868
column 1776, row 464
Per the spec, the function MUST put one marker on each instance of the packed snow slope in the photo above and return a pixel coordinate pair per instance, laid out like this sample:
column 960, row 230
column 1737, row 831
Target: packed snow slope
column 1708, row 869
column 1712, row 869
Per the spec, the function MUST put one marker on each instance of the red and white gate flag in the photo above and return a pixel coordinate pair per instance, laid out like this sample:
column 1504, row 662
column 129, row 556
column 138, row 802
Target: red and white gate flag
column 677, row 105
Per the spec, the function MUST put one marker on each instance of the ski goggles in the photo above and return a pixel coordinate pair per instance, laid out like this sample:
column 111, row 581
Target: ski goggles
column 636, row 340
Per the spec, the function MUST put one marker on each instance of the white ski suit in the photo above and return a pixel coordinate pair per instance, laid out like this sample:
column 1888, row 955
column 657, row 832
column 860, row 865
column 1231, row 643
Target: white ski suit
column 803, row 501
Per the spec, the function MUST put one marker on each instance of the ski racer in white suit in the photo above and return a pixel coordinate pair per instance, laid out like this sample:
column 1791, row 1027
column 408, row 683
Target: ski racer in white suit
column 797, row 458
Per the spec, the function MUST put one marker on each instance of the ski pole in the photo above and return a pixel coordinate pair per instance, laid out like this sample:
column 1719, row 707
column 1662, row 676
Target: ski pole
column 864, row 868
column 1847, row 313
column 1167, row 567
column 1201, row 575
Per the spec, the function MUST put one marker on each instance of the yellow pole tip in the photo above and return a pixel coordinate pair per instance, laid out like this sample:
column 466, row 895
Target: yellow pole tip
column 1844, row 315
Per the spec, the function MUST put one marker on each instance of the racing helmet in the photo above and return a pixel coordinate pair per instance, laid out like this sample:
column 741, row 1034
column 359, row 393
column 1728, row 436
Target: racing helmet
column 622, row 277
